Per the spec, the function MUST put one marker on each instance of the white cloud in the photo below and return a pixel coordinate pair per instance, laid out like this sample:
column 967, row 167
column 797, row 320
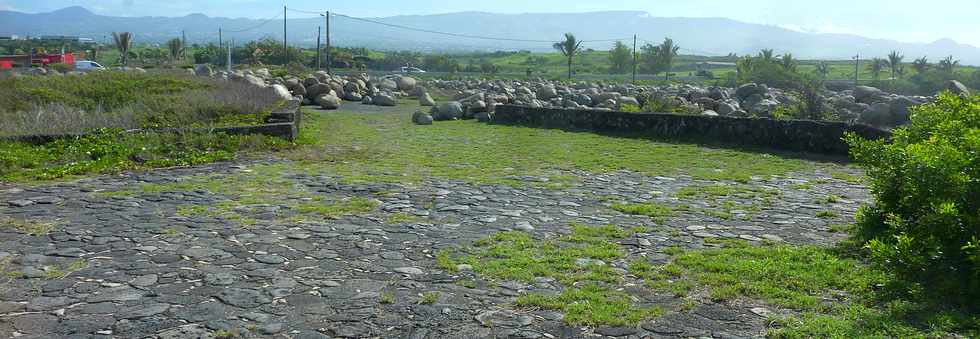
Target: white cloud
column 822, row 28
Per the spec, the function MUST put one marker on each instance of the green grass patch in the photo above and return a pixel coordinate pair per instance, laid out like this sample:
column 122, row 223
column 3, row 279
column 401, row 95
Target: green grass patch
column 349, row 206
column 579, row 260
column 826, row 215
column 592, row 305
column 386, row 146
column 114, row 151
column 847, row 177
column 655, row 211
column 386, row 298
column 29, row 227
column 56, row 272
column 837, row 297
column 429, row 298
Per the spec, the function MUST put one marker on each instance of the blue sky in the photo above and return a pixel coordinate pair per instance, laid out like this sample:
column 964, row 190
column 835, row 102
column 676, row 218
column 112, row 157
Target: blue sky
column 903, row 20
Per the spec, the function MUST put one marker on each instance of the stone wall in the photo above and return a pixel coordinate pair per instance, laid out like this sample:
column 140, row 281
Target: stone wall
column 823, row 137
column 283, row 122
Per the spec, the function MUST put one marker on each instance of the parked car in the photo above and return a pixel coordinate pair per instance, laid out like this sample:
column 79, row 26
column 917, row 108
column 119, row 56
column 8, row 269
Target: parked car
column 86, row 66
column 409, row 70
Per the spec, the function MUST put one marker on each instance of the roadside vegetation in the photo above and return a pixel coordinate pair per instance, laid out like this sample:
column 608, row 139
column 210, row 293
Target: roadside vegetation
column 100, row 107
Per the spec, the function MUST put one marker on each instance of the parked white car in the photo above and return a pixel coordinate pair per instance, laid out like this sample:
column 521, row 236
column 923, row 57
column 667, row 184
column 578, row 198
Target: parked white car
column 409, row 70
column 86, row 66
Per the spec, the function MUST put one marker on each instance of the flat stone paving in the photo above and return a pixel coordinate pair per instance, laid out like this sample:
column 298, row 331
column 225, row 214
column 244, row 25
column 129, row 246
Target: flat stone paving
column 326, row 279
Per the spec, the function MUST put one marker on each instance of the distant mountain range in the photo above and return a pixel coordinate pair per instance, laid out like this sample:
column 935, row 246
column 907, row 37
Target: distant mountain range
column 702, row 36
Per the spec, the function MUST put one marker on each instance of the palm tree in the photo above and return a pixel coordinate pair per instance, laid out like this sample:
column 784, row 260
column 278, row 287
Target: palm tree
column 948, row 64
column 921, row 65
column 788, row 63
column 569, row 47
column 876, row 65
column 767, row 55
column 667, row 53
column 124, row 41
column 894, row 61
column 823, row 69
column 176, row 47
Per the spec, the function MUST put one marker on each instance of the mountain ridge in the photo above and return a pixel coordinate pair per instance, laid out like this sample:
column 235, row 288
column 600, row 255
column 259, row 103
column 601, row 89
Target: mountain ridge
column 709, row 35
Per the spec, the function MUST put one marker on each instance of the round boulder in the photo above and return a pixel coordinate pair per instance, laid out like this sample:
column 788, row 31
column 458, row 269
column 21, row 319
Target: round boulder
column 448, row 111
column 421, row 118
column 406, row 84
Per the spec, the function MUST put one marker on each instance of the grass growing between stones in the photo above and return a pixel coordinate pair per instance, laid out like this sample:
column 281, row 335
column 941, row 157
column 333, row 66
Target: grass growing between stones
column 354, row 205
column 727, row 201
column 366, row 145
column 834, row 296
column 657, row 212
column 578, row 260
column 29, row 227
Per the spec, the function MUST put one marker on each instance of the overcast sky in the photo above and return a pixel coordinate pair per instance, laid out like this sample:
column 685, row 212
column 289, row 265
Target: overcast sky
column 903, row 20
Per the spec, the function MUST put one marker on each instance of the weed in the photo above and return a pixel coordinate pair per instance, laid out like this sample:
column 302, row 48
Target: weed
column 429, row 298
column 387, row 298
column 826, row 214
column 655, row 211
column 29, row 227
column 55, row 272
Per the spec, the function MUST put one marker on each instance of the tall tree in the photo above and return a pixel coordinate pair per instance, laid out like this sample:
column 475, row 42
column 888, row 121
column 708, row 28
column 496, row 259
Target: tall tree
column 650, row 58
column 788, row 63
column 124, row 42
column 668, row 51
column 570, row 47
column 948, row 64
column 894, row 62
column 823, row 69
column 876, row 66
column 767, row 55
column 921, row 65
column 620, row 57
column 176, row 48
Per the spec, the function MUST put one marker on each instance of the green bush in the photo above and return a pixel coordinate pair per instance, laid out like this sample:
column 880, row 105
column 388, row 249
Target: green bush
column 925, row 222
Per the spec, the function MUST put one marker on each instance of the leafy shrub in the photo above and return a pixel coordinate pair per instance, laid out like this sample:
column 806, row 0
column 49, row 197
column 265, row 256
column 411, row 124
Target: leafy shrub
column 766, row 72
column 925, row 222
column 630, row 108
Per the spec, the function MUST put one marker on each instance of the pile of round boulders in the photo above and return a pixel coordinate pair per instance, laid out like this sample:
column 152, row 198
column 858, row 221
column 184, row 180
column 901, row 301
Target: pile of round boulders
column 477, row 99
column 330, row 91
column 323, row 89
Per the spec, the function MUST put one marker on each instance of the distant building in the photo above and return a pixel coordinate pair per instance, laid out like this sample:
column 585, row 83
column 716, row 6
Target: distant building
column 709, row 65
column 9, row 37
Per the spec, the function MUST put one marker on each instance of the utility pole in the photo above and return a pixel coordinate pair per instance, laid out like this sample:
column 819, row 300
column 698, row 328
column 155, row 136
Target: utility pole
column 326, row 18
column 183, row 43
column 228, row 63
column 634, row 59
column 220, row 44
column 318, row 64
column 285, row 48
column 857, row 62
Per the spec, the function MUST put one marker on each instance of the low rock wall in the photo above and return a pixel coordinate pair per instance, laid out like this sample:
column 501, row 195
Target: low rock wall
column 822, row 137
column 283, row 123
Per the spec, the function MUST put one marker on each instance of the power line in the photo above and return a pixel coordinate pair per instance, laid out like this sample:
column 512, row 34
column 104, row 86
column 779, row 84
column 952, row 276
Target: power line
column 438, row 32
column 303, row 11
column 459, row 35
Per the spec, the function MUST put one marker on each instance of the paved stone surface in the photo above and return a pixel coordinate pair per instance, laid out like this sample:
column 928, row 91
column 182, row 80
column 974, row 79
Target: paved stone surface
column 150, row 271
